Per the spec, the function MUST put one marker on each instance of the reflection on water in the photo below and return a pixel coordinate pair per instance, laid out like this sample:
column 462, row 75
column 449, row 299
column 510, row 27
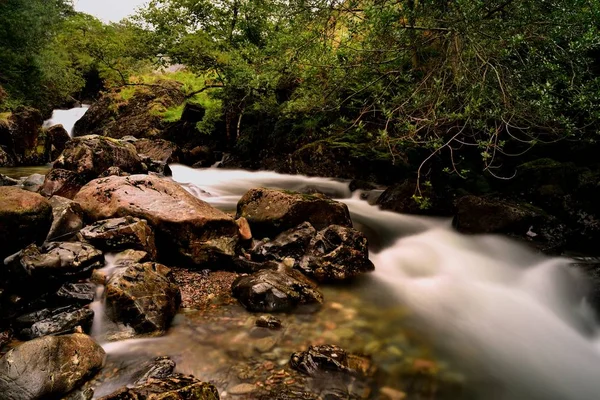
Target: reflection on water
column 22, row 172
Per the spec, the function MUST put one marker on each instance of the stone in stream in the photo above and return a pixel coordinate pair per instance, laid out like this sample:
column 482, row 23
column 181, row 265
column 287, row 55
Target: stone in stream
column 268, row 321
column 118, row 234
column 159, row 368
column 271, row 212
column 324, row 359
column 113, row 171
column 336, row 253
column 143, row 296
column 25, row 218
column 7, row 180
column 77, row 292
column 276, row 291
column 61, row 182
column 33, row 183
column 187, row 229
column 49, row 367
column 53, row 321
column 89, row 156
column 159, row 150
column 56, row 139
column 67, row 219
column 292, row 243
column 174, row 387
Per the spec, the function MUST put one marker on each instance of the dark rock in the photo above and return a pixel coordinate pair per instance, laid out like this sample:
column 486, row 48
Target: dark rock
column 193, row 113
column 6, row 180
column 5, row 160
column 119, row 234
column 200, row 157
column 159, row 368
column 49, row 367
column 77, row 292
column 337, row 253
column 113, row 171
column 186, row 228
column 159, row 150
column 175, row 387
column 276, row 291
column 26, row 142
column 56, row 139
column 80, row 394
column 357, row 184
column 67, row 219
column 144, row 296
column 53, row 321
column 405, row 198
column 33, row 183
column 245, row 265
column 158, row 167
column 53, row 262
column 269, row 322
column 271, row 212
column 324, row 359
column 90, row 156
column 25, row 218
column 60, row 182
column 292, row 243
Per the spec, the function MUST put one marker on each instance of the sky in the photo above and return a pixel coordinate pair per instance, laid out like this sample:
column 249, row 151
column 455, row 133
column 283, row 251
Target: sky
column 108, row 10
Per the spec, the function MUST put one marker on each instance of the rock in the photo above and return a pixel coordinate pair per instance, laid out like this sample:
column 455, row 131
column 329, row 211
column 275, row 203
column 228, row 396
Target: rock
column 90, row 156
column 56, row 139
column 113, row 171
column 53, row 321
column 357, row 184
column 175, row 387
column 80, row 394
column 119, row 234
column 144, row 296
column 67, row 219
column 292, row 243
column 483, row 215
column 271, row 212
column 54, row 262
column 25, row 218
column 269, row 322
column 5, row 159
column 155, row 166
column 7, row 180
column 26, row 142
column 328, row 358
column 160, row 150
column 186, row 228
column 276, row 291
column 403, row 198
column 159, row 368
column 200, row 157
column 60, row 182
column 244, row 229
column 242, row 388
column 34, row 182
column 336, row 253
column 77, row 292
column 49, row 367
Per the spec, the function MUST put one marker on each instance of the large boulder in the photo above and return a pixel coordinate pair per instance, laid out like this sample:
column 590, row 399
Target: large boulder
column 67, row 219
column 159, row 150
column 53, row 321
column 117, row 234
column 143, row 296
column 25, row 218
column 49, row 367
column 405, row 198
column 271, row 212
column 292, row 243
column 90, row 156
column 186, row 228
column 61, row 182
column 276, row 291
column 26, row 140
column 57, row 138
column 174, row 387
column 336, row 254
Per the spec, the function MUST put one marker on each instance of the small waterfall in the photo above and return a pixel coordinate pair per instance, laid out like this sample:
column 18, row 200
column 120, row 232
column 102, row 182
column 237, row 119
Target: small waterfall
column 67, row 118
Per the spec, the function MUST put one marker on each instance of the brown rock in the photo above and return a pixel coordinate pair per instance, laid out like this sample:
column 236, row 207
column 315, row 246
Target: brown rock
column 56, row 139
column 67, row 219
column 63, row 183
column 175, row 387
column 185, row 227
column 244, row 231
column 159, row 150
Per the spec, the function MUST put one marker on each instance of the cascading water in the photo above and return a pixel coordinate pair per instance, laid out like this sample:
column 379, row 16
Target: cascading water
column 67, row 118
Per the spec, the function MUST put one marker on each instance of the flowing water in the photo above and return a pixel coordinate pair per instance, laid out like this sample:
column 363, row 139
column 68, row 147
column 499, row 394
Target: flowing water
column 67, row 118
column 486, row 317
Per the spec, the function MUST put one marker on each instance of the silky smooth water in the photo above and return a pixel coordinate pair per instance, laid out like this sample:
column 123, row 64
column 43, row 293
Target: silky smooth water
column 67, row 118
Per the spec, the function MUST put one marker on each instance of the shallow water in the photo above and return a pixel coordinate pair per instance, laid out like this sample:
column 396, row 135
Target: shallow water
column 21, row 172
column 444, row 316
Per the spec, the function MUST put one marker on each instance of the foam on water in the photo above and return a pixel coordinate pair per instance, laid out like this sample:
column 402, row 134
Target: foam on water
column 66, row 118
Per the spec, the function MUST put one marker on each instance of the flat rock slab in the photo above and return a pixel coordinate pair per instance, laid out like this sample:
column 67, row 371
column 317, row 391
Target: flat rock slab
column 187, row 229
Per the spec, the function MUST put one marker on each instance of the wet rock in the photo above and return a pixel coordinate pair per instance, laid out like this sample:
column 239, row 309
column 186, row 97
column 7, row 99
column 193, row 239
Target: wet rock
column 63, row 183
column 77, row 292
column 187, row 229
column 157, row 167
column 144, row 296
column 5, row 159
column 89, row 156
column 56, row 140
column 401, row 198
column 175, row 387
column 159, row 368
column 269, row 322
column 53, row 262
column 328, row 358
column 159, row 150
column 244, row 229
column 49, row 367
column 25, row 218
column 292, row 243
column 276, row 291
column 336, row 253
column 33, row 183
column 53, row 321
column 80, row 394
column 113, row 171
column 118, row 234
column 357, row 184
column 271, row 212
column 26, row 140
column 67, row 219
column 200, row 157
column 7, row 180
